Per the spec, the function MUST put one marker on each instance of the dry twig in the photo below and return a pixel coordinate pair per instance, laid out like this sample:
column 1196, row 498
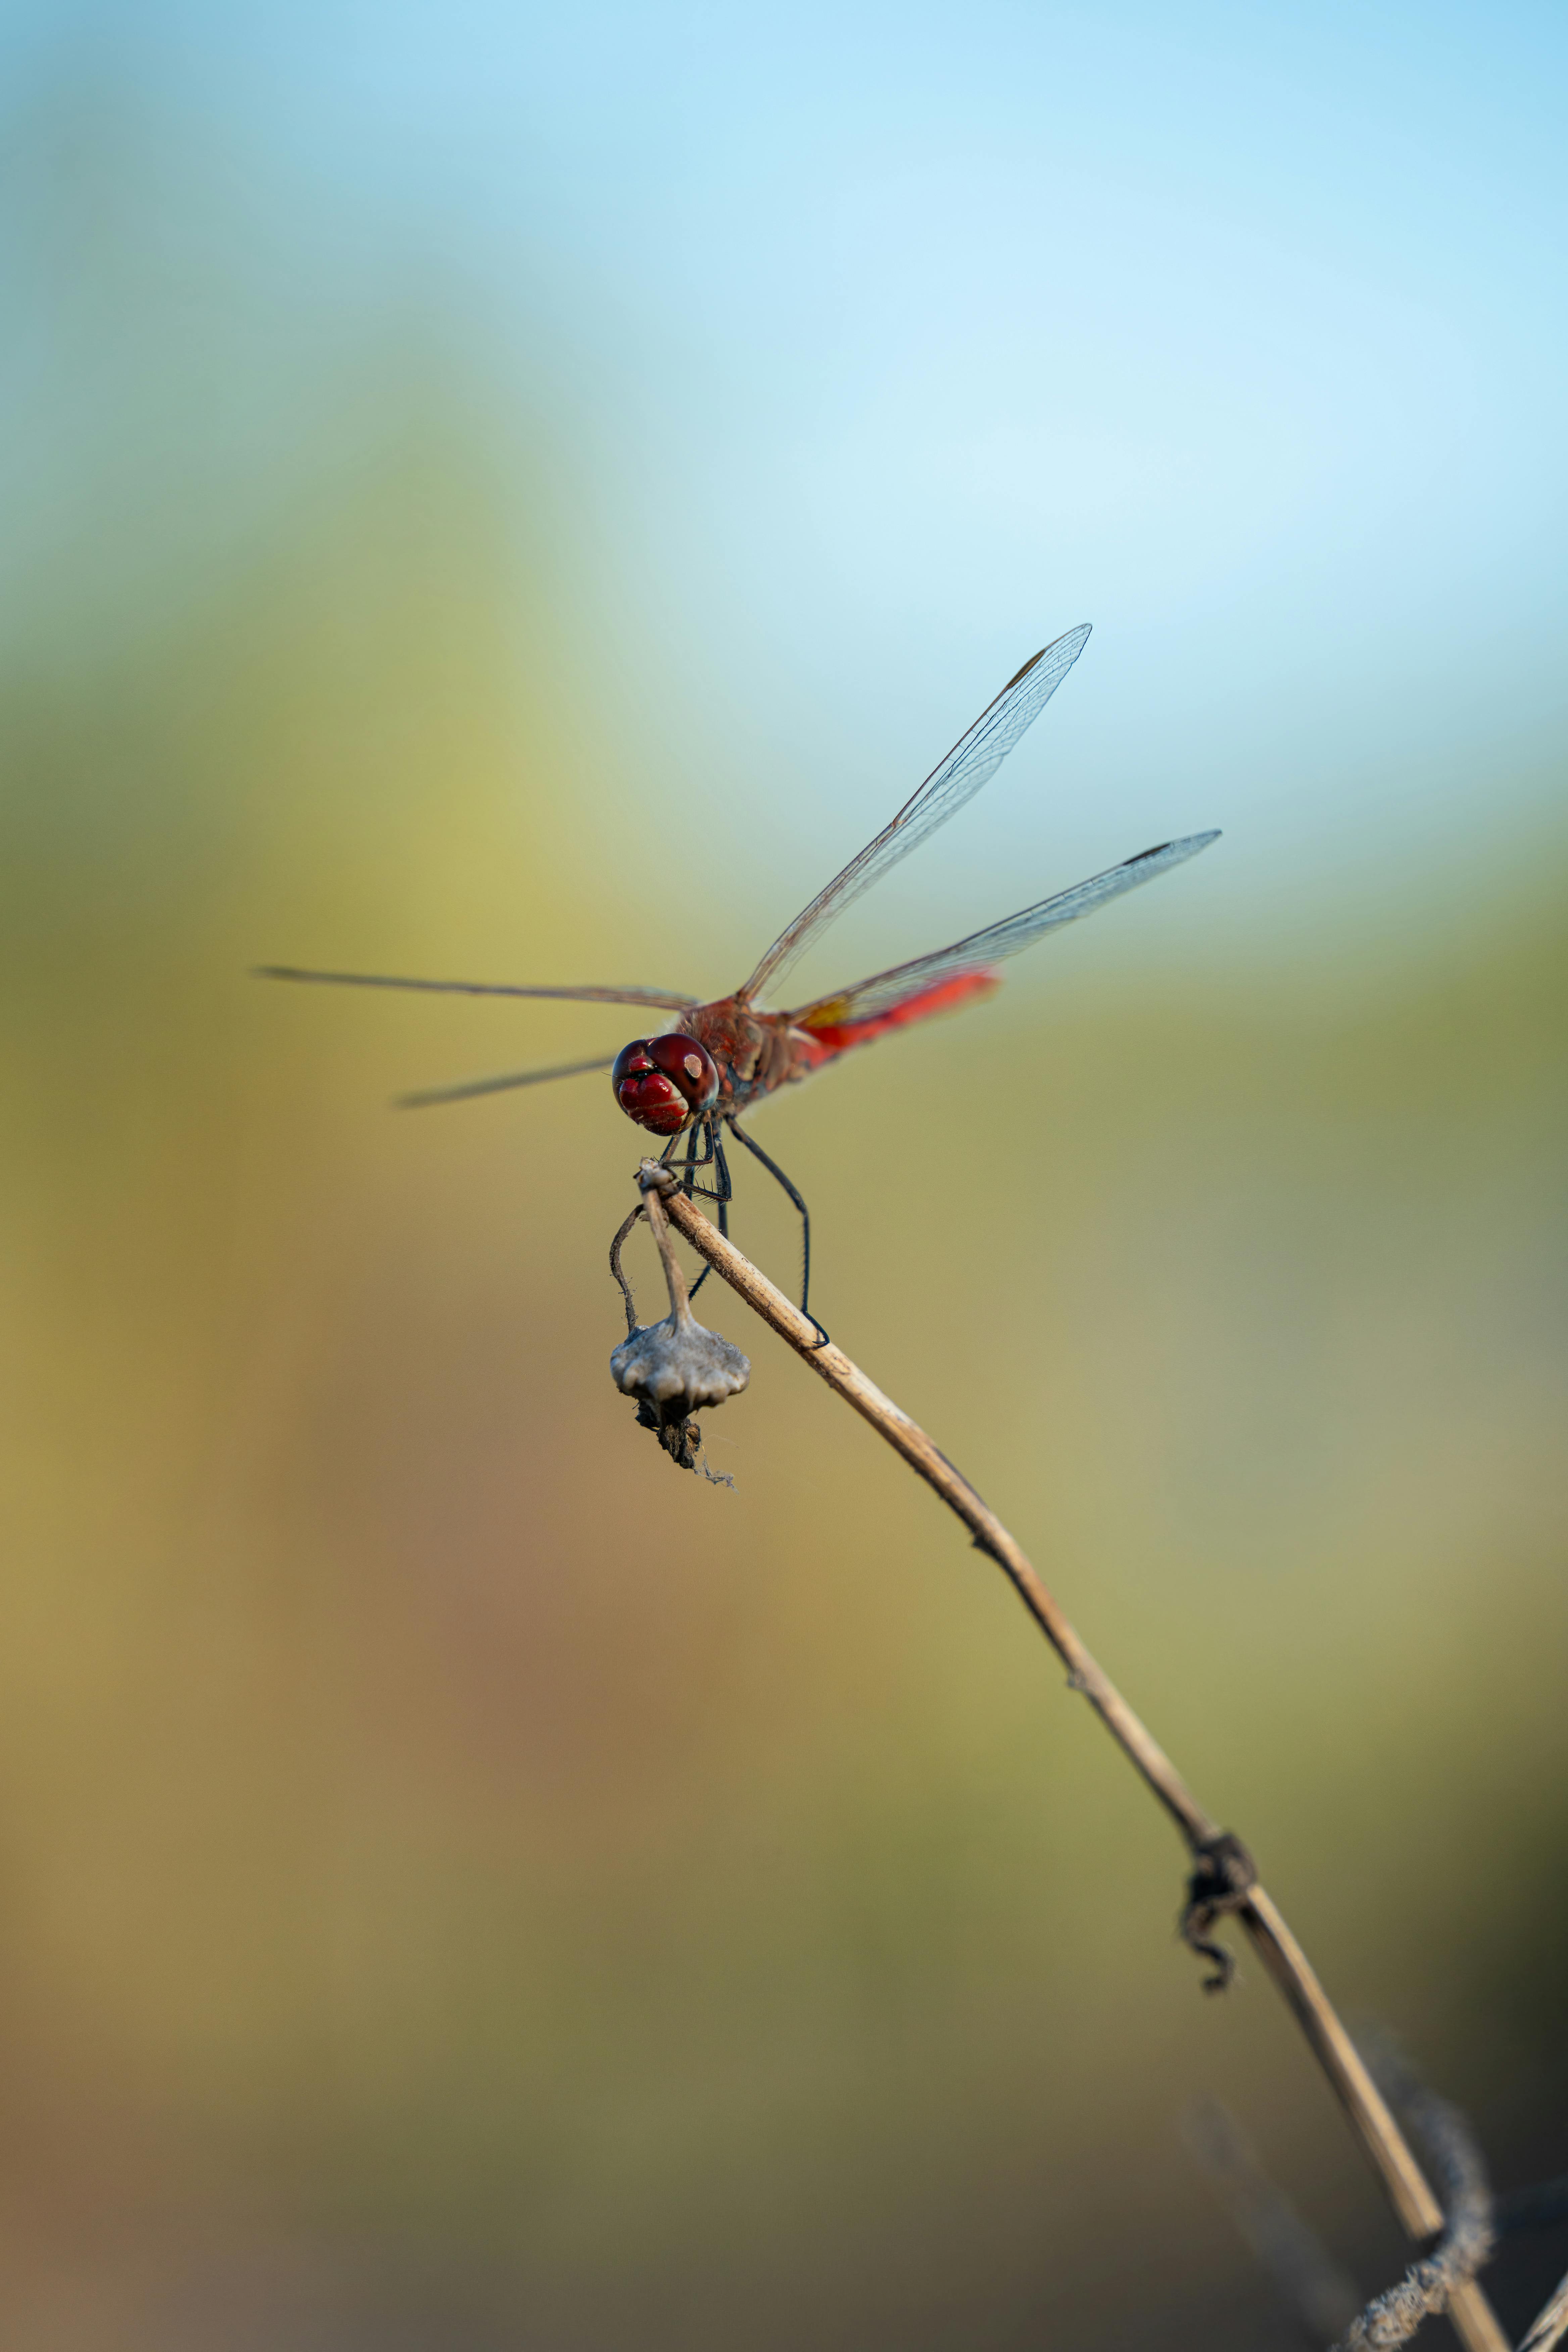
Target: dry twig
column 1552, row 2325
column 1431, row 2284
column 675, row 1368
column 1222, row 1877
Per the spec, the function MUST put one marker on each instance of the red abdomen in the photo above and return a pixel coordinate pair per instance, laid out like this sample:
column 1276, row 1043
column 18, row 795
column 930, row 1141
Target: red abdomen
column 825, row 1040
column 756, row 1053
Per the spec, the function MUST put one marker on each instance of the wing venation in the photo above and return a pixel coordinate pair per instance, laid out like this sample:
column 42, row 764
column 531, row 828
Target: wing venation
column 467, row 1087
column 1010, row 937
column 971, row 763
column 663, row 997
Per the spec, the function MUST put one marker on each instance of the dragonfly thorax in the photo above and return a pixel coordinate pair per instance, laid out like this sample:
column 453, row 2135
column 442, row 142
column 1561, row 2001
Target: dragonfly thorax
column 665, row 1083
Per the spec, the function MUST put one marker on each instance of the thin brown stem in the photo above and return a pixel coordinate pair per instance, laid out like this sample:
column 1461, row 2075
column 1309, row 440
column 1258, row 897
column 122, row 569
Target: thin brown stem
column 653, row 1199
column 1369, row 2113
column 1550, row 2326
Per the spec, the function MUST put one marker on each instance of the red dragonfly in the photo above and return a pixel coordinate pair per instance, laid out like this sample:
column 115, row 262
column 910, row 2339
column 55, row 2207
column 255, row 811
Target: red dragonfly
column 717, row 1060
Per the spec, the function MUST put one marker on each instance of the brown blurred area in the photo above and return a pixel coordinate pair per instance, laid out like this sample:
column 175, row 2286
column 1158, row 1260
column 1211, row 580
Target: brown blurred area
column 466, row 1884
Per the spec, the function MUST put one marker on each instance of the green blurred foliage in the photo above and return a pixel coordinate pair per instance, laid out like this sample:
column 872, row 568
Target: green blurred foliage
column 469, row 1884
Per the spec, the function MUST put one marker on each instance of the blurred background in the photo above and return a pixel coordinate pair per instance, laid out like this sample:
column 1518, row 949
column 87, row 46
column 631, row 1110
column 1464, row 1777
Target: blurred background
column 523, row 494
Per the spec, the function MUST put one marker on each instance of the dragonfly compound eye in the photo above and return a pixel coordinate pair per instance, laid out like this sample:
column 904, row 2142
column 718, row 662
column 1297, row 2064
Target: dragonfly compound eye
column 664, row 1083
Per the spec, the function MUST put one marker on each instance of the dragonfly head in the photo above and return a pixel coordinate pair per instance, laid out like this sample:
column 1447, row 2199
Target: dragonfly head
column 665, row 1083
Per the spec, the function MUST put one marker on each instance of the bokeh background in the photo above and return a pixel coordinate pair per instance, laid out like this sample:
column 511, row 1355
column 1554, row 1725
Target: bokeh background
column 523, row 493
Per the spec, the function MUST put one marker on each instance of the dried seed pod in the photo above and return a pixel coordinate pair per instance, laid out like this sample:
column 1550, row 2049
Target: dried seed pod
column 673, row 1368
column 677, row 1367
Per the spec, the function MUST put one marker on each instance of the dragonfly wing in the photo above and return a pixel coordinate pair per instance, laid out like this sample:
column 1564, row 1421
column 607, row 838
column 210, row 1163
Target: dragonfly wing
column 972, row 762
column 468, row 1087
column 886, row 990
column 664, row 998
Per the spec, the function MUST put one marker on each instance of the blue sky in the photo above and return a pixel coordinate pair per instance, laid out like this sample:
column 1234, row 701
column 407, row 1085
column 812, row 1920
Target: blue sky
column 886, row 344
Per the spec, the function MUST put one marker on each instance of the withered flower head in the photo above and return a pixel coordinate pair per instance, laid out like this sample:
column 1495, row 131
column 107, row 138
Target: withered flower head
column 678, row 1366
column 675, row 1368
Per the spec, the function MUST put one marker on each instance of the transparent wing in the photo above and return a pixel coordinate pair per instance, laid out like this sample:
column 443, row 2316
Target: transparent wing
column 885, row 989
column 662, row 997
column 973, row 762
column 468, row 1087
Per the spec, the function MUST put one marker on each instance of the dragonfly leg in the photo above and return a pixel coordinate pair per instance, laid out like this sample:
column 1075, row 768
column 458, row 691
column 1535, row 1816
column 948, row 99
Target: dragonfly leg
column 777, row 1173
column 689, row 1186
column 720, row 1193
column 686, row 1169
column 726, row 1192
column 706, row 1135
column 711, row 1156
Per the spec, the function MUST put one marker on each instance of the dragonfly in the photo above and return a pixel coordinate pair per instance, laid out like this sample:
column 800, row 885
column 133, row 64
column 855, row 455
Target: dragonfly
column 692, row 1081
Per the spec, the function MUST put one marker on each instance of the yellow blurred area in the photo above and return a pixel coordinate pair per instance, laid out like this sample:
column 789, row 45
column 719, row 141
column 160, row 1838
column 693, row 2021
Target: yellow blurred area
column 469, row 1884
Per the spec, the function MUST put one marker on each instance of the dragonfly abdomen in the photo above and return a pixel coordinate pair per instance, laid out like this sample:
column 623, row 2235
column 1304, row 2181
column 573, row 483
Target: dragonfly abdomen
column 825, row 1038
